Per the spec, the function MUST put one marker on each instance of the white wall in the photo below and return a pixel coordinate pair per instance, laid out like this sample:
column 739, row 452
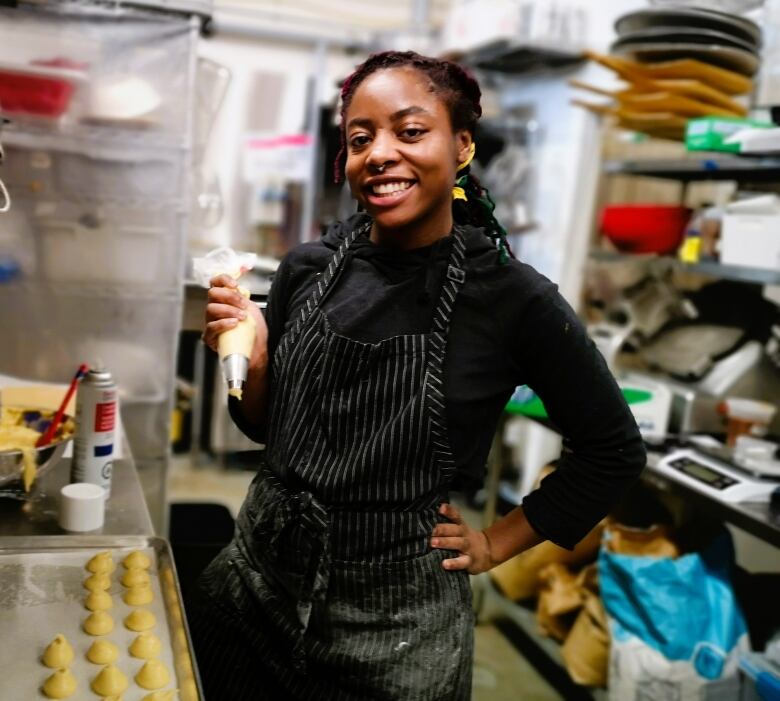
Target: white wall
column 245, row 57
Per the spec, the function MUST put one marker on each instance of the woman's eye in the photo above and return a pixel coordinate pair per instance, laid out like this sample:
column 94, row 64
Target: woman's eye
column 412, row 132
column 359, row 141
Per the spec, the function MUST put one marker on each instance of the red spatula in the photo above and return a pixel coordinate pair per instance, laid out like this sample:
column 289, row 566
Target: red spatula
column 47, row 437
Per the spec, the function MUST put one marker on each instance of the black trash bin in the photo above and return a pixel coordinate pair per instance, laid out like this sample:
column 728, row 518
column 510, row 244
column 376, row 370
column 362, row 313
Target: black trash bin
column 198, row 531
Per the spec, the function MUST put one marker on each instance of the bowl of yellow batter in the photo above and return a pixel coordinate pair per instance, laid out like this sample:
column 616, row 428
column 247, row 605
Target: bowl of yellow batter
column 20, row 461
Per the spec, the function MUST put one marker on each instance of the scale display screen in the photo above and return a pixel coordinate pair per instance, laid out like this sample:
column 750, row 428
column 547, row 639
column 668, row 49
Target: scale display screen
column 705, row 474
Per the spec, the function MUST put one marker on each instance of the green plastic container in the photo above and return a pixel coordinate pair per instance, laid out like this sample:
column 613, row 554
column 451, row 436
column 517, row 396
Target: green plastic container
column 534, row 408
column 709, row 133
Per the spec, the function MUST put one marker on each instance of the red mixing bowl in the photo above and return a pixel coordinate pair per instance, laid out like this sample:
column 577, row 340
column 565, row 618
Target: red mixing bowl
column 645, row 228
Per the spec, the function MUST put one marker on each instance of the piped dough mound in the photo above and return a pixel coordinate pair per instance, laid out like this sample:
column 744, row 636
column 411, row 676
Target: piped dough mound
column 153, row 675
column 60, row 685
column 99, row 601
column 98, row 623
column 109, row 682
column 102, row 563
column 98, row 582
column 58, row 653
column 146, row 646
column 136, row 577
column 137, row 560
column 103, row 652
column 140, row 620
column 138, row 596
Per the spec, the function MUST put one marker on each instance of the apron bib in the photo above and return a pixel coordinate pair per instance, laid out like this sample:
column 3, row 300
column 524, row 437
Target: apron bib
column 330, row 583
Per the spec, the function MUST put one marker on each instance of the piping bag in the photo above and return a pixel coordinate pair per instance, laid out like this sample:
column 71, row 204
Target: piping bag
column 234, row 345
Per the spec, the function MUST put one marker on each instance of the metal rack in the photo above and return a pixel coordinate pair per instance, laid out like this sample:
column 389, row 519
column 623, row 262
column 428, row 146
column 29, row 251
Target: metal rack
column 700, row 167
column 520, row 57
column 70, row 173
column 738, row 273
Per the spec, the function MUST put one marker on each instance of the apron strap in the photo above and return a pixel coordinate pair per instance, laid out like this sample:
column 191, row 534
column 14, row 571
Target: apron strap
column 324, row 283
column 454, row 280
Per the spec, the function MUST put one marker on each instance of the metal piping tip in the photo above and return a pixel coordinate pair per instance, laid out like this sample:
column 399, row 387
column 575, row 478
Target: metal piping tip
column 235, row 368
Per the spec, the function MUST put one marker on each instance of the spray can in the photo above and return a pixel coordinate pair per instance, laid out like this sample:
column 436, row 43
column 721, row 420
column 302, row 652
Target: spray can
column 96, row 417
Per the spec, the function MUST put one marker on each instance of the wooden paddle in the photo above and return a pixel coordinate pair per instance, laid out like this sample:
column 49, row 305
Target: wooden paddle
column 720, row 79
column 697, row 96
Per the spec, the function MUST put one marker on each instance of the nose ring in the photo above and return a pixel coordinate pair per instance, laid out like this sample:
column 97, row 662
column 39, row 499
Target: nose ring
column 381, row 168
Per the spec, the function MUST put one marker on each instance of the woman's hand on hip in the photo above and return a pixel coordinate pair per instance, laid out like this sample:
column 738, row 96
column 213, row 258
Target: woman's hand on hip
column 473, row 545
column 226, row 307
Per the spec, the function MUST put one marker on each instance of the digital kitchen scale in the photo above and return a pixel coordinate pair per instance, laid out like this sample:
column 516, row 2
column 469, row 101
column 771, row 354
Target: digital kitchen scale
column 714, row 478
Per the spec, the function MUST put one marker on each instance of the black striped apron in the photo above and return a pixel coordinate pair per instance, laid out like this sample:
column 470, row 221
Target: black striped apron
column 330, row 589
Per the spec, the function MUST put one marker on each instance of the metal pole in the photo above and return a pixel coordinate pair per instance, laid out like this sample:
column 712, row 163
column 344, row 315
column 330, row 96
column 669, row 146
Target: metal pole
column 317, row 77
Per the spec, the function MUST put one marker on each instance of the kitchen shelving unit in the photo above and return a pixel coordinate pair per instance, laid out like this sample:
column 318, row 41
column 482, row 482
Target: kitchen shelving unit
column 755, row 518
column 517, row 620
column 102, row 201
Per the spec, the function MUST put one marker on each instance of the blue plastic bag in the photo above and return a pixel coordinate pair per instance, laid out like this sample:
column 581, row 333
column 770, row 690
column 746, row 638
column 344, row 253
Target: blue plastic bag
column 675, row 624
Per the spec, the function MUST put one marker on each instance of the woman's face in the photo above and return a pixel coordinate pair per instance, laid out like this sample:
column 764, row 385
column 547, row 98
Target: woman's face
column 395, row 121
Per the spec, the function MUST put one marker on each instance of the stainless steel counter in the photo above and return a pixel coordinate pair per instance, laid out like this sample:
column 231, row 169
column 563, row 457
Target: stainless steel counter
column 126, row 511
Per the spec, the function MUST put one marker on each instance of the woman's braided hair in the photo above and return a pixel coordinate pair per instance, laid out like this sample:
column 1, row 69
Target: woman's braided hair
column 460, row 92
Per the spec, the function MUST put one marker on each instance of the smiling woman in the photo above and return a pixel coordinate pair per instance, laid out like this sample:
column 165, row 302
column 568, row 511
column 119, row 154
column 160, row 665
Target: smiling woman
column 389, row 350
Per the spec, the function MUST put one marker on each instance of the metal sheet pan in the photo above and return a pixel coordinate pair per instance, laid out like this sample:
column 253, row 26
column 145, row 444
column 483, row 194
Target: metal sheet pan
column 42, row 594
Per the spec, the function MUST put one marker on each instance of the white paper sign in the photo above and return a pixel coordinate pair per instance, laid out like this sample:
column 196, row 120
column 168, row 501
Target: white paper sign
column 284, row 157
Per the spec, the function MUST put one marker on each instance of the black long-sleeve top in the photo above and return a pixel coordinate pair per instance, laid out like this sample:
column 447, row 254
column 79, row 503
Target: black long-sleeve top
column 510, row 327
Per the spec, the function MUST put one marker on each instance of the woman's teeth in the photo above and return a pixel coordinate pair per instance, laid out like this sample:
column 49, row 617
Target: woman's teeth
column 386, row 189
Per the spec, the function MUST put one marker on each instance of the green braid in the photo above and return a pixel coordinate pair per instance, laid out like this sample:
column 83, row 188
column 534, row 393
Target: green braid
column 478, row 211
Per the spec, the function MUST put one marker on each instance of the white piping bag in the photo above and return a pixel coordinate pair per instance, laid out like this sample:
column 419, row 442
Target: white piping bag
column 234, row 345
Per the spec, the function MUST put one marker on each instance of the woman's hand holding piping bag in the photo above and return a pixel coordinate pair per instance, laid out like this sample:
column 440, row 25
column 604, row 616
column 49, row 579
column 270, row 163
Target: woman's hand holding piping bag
column 483, row 550
column 226, row 307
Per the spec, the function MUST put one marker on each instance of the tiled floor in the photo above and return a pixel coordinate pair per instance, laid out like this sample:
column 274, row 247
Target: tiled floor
column 500, row 672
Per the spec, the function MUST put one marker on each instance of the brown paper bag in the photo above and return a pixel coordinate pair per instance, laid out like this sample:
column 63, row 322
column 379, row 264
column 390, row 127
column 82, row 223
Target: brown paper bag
column 654, row 541
column 588, row 580
column 559, row 600
column 518, row 578
column 586, row 648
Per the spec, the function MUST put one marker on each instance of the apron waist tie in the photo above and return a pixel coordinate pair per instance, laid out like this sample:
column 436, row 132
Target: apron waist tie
column 288, row 536
column 289, row 542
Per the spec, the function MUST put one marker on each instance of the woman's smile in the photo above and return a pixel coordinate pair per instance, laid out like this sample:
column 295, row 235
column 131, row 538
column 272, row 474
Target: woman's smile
column 388, row 191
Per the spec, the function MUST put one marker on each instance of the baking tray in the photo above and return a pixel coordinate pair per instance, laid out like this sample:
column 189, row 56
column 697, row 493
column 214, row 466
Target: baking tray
column 42, row 594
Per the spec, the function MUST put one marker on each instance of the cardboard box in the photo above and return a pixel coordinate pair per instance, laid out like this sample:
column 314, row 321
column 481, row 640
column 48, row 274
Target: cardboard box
column 751, row 240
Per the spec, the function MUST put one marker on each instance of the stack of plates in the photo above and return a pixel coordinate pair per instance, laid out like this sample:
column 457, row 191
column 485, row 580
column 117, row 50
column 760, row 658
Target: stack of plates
column 736, row 7
column 679, row 63
column 671, row 33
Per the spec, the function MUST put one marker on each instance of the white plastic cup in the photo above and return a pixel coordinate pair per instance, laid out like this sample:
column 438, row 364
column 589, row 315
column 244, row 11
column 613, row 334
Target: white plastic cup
column 750, row 410
column 82, row 507
column 747, row 417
